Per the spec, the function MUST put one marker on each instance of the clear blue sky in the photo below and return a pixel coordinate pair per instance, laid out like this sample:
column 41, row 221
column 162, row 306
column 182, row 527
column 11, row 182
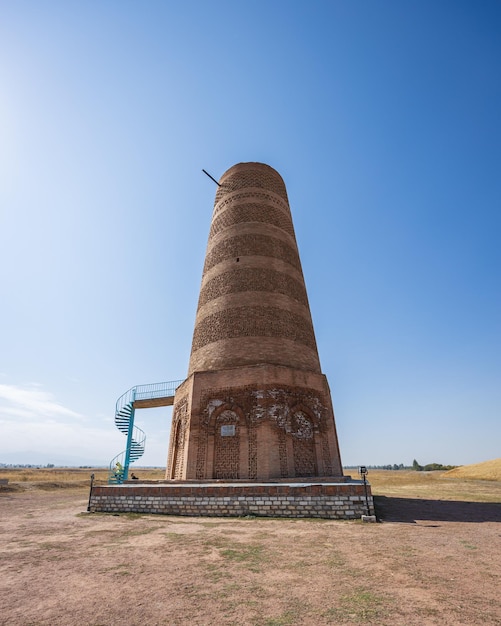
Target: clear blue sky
column 383, row 119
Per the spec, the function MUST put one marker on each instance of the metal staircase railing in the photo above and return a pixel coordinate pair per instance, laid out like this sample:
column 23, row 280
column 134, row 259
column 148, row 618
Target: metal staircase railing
column 157, row 390
column 124, row 420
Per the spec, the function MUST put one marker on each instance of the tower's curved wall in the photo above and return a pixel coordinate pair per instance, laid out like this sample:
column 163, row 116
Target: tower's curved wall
column 253, row 307
column 255, row 404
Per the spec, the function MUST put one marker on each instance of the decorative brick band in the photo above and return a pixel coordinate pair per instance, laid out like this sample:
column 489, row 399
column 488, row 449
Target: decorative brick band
column 252, row 212
column 253, row 321
column 261, row 178
column 321, row 500
column 252, row 279
column 252, row 245
column 268, row 198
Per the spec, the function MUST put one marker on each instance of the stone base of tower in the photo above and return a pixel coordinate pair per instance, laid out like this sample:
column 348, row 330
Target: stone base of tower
column 256, row 422
column 329, row 499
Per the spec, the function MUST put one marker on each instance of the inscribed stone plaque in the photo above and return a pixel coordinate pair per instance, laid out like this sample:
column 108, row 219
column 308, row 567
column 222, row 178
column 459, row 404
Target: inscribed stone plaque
column 228, row 430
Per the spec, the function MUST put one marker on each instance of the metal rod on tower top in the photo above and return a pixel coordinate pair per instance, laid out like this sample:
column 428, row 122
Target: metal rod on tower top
column 211, row 177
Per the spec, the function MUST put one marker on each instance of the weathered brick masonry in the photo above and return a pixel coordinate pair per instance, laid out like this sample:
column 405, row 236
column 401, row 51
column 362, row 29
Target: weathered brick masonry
column 325, row 500
column 253, row 430
column 255, row 404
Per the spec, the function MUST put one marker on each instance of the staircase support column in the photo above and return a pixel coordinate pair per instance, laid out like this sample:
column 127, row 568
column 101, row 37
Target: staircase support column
column 129, row 437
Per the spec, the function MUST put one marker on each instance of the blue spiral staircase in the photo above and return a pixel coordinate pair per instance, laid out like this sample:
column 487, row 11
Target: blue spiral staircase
column 139, row 397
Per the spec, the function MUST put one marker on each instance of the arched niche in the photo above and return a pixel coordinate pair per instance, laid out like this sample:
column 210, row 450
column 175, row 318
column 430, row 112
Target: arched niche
column 228, row 438
column 304, row 435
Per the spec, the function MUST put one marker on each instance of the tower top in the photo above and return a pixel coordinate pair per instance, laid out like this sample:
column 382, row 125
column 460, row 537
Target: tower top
column 253, row 307
column 251, row 175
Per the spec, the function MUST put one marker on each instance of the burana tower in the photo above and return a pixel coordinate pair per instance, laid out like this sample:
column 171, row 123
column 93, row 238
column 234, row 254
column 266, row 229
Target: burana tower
column 255, row 404
column 253, row 428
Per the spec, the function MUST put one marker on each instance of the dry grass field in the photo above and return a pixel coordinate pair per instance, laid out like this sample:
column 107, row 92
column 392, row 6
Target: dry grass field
column 434, row 485
column 489, row 470
column 435, row 558
column 68, row 476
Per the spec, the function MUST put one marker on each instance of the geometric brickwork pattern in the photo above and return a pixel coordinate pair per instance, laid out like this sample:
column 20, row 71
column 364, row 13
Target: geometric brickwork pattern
column 252, row 282
column 255, row 404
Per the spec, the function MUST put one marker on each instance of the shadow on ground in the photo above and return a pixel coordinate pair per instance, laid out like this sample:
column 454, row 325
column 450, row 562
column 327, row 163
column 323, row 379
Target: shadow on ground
column 411, row 510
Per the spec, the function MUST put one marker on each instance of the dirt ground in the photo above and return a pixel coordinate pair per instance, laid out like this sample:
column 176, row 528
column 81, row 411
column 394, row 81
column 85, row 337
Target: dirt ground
column 427, row 562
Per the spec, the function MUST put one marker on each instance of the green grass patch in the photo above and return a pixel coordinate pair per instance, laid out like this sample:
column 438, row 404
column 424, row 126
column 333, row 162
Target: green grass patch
column 251, row 556
column 289, row 617
column 293, row 615
column 360, row 606
column 136, row 532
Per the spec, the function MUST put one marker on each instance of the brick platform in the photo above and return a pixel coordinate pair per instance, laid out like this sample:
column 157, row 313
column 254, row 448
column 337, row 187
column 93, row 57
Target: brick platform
column 332, row 500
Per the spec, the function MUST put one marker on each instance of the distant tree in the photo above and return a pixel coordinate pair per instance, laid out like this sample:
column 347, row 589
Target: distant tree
column 433, row 467
column 416, row 466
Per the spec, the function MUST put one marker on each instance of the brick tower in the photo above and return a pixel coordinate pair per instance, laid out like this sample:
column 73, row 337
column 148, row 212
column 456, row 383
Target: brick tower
column 255, row 404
